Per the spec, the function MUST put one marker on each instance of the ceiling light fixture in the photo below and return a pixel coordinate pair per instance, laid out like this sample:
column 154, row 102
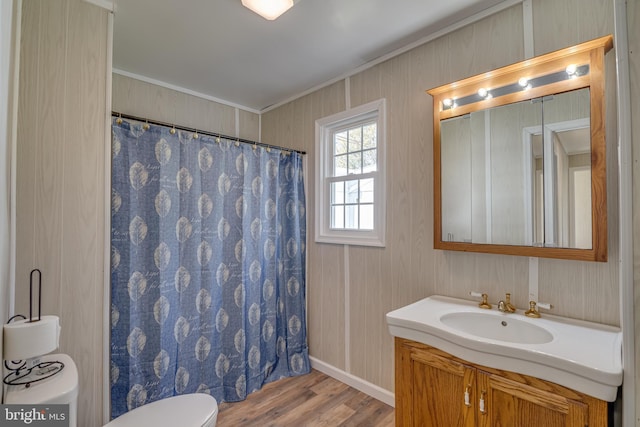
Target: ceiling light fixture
column 268, row 9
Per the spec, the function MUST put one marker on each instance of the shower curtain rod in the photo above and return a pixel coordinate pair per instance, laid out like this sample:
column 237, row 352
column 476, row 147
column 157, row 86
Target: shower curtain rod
column 217, row 135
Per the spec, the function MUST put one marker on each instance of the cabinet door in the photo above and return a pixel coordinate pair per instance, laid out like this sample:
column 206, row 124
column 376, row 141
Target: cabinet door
column 439, row 386
column 507, row 404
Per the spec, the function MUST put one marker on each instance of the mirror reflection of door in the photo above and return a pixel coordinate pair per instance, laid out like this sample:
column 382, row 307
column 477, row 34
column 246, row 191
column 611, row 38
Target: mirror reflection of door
column 573, row 176
column 567, row 147
column 563, row 218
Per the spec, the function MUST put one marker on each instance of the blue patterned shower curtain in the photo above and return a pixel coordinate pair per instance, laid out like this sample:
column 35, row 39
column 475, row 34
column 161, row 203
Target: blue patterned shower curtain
column 208, row 266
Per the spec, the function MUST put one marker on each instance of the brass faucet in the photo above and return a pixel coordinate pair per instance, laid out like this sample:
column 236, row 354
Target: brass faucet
column 506, row 306
column 533, row 311
column 510, row 307
column 485, row 302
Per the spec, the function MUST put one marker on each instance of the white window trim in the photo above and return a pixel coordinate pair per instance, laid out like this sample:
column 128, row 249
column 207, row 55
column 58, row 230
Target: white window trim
column 324, row 128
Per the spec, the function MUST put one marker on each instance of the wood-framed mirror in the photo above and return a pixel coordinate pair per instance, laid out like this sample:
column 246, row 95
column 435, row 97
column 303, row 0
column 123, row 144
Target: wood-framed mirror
column 520, row 158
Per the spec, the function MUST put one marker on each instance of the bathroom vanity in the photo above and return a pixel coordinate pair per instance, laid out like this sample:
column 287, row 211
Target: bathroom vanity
column 434, row 388
column 461, row 365
column 519, row 163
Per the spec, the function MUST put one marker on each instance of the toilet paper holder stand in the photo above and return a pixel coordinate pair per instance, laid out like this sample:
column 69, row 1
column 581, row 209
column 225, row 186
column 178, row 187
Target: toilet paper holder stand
column 31, row 294
column 31, row 370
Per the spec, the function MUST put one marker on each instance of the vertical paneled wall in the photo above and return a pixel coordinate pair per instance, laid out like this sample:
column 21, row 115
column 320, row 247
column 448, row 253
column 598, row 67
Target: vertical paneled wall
column 376, row 280
column 60, row 174
column 293, row 126
column 146, row 100
column 8, row 37
column 583, row 289
column 633, row 24
column 60, row 179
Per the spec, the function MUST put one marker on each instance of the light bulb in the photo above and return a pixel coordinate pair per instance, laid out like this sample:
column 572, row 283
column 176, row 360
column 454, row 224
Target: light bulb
column 523, row 82
column 482, row 92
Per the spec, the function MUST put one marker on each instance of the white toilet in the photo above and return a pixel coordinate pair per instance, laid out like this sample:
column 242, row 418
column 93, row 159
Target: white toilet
column 61, row 388
column 54, row 380
column 187, row 410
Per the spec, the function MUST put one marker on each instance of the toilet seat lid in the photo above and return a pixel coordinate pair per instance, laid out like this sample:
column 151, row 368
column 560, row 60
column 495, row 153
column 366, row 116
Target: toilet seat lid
column 188, row 410
column 60, row 388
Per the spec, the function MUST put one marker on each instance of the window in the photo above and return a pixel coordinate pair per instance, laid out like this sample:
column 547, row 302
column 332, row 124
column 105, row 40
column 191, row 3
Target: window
column 350, row 185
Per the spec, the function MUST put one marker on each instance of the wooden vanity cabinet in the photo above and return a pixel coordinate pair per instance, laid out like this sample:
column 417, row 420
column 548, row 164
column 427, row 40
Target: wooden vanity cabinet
column 436, row 389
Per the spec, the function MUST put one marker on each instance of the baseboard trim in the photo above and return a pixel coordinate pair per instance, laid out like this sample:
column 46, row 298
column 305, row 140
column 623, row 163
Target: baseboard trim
column 366, row 387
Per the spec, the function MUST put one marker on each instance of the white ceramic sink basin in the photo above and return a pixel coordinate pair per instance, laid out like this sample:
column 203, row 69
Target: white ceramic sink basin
column 496, row 327
column 583, row 356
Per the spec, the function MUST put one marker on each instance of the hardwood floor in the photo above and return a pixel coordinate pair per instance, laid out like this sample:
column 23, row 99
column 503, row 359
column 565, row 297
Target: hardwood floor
column 310, row 400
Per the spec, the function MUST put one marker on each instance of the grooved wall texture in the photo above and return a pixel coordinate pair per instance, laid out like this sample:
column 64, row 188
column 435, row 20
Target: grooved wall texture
column 60, row 179
column 407, row 269
column 61, row 196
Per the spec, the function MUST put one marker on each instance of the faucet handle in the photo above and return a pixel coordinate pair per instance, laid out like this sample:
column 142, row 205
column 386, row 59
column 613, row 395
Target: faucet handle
column 544, row 305
column 533, row 311
column 484, row 303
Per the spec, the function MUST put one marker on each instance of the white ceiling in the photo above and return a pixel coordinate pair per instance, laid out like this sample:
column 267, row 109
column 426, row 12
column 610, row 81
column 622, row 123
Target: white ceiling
column 220, row 49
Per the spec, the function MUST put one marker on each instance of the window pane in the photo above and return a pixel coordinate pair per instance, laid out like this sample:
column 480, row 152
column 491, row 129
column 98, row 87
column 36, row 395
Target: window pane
column 369, row 136
column 352, row 191
column 337, row 217
column 355, row 139
column 340, row 143
column 355, row 163
column 340, row 165
column 366, row 217
column 351, row 217
column 366, row 190
column 352, row 149
column 337, row 193
column 369, row 159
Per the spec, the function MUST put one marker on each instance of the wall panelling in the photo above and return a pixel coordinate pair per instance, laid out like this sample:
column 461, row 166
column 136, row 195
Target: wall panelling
column 150, row 101
column 60, row 177
column 633, row 24
column 381, row 279
column 60, row 181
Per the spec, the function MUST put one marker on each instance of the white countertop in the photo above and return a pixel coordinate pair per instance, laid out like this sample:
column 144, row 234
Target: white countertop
column 583, row 356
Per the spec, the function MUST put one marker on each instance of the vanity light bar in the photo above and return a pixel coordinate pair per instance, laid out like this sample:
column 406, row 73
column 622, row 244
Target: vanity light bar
column 571, row 72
